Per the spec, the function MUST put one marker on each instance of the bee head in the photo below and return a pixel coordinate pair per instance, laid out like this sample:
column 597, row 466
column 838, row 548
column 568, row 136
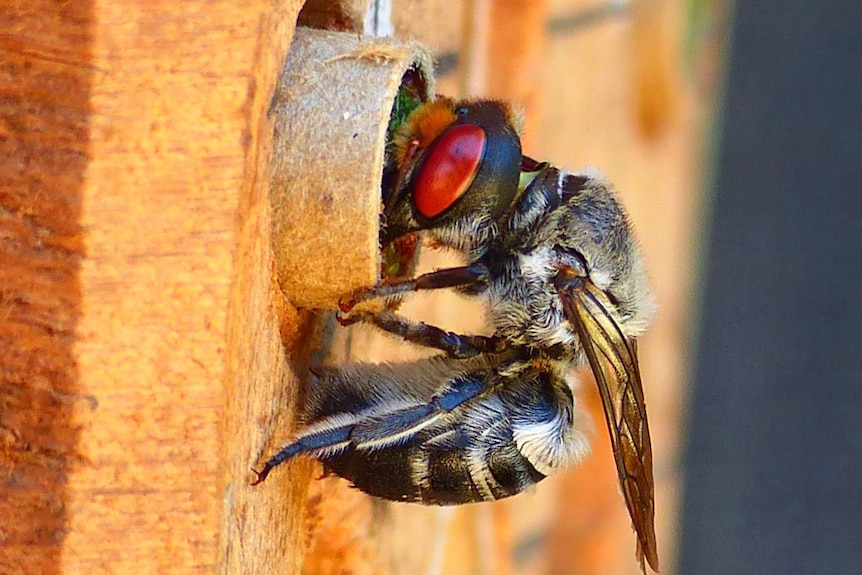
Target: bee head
column 464, row 165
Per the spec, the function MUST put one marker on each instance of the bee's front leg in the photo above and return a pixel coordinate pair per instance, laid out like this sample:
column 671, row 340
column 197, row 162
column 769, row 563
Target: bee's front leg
column 455, row 345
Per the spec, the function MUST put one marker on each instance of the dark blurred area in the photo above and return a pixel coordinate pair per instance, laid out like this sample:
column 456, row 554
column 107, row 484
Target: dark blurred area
column 774, row 457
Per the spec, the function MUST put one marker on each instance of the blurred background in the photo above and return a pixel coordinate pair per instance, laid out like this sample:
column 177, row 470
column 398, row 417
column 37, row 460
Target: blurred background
column 733, row 137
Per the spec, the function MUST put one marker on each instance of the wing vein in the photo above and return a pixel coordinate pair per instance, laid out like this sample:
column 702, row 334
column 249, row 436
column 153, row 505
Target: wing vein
column 613, row 359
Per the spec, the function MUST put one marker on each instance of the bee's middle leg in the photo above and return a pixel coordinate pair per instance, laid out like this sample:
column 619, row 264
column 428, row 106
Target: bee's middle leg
column 455, row 345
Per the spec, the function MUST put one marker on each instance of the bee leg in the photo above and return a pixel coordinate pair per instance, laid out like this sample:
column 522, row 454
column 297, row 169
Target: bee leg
column 374, row 429
column 464, row 276
column 401, row 425
column 455, row 345
column 332, row 439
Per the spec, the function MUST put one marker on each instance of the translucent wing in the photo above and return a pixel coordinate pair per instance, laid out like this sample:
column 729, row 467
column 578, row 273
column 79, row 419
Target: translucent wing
column 613, row 359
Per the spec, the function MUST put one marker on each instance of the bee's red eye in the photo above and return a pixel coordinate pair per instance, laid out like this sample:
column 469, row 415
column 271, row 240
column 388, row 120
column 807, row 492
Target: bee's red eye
column 450, row 165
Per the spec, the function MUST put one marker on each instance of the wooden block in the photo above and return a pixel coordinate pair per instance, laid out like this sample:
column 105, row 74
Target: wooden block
column 140, row 355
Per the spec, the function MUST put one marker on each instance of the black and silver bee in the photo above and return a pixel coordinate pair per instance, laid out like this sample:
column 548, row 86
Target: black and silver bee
column 552, row 255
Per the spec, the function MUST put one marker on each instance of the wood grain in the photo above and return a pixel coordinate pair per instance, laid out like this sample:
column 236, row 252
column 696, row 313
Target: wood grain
column 139, row 345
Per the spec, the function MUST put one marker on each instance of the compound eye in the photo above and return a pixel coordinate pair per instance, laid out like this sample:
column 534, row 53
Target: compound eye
column 448, row 170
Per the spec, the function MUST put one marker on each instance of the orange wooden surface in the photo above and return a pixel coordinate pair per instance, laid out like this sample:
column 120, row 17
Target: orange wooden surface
column 138, row 331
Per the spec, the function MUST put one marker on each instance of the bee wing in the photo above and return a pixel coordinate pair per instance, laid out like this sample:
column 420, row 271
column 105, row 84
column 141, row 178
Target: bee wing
column 613, row 359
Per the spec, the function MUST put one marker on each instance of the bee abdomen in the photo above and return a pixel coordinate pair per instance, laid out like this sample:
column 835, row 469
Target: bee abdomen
column 460, row 471
column 477, row 435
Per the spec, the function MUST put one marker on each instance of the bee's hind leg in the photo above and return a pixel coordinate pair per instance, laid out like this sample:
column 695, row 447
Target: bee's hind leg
column 376, row 428
column 334, row 438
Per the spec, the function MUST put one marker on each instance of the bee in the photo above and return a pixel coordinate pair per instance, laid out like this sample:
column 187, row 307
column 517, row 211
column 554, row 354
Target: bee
column 553, row 257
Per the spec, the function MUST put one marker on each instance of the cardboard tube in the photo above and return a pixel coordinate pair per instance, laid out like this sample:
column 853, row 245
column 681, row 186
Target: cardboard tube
column 331, row 110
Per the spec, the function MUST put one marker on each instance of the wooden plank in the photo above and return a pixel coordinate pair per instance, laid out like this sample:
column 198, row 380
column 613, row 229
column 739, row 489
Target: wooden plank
column 139, row 348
